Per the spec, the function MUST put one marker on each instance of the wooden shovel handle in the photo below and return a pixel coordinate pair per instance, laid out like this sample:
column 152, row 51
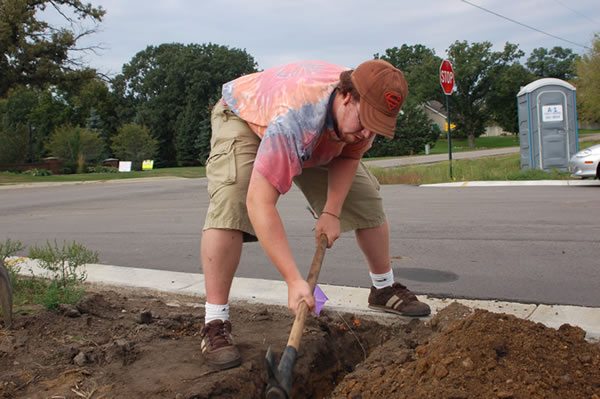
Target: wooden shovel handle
column 313, row 276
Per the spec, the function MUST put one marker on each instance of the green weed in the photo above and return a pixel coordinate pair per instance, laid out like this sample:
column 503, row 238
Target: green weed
column 64, row 264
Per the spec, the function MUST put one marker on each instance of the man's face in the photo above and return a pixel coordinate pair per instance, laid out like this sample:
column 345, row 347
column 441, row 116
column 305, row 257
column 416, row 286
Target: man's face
column 350, row 129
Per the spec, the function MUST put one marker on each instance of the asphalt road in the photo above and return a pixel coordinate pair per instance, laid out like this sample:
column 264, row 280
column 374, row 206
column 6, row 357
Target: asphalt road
column 538, row 244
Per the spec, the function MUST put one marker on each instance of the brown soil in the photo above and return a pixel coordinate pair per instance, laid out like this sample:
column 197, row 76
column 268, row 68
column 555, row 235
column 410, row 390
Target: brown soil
column 127, row 344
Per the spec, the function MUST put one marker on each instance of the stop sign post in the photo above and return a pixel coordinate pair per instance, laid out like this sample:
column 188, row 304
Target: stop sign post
column 447, row 82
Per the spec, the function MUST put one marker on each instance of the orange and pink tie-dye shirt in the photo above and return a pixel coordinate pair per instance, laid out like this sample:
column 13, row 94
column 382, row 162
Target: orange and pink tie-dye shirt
column 289, row 108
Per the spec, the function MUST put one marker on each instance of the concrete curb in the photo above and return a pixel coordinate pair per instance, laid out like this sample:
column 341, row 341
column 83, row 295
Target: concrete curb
column 342, row 299
column 517, row 183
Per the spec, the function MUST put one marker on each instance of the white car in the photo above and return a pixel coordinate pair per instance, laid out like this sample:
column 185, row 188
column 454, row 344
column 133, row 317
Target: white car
column 586, row 162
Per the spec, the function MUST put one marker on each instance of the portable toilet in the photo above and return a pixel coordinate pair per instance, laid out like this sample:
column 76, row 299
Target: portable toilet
column 547, row 124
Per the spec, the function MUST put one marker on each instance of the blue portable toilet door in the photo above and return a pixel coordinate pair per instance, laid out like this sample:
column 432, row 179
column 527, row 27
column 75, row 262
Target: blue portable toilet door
column 553, row 133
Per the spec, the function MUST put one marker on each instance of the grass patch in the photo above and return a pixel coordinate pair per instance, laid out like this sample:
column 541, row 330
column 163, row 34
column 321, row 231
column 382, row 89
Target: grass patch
column 586, row 144
column 185, row 172
column 505, row 167
column 485, row 143
column 486, row 169
column 481, row 143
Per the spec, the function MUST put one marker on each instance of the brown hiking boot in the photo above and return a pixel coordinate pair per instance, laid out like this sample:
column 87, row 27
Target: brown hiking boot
column 397, row 299
column 217, row 345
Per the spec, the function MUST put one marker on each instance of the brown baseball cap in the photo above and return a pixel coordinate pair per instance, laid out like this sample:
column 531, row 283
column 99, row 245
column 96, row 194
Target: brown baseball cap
column 382, row 90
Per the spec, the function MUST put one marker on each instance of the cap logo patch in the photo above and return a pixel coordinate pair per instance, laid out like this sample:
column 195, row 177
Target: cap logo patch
column 393, row 100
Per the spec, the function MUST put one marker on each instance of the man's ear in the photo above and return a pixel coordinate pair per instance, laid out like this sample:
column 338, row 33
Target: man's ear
column 347, row 98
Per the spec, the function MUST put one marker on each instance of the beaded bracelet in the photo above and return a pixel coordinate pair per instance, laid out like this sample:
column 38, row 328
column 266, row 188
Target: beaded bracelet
column 331, row 213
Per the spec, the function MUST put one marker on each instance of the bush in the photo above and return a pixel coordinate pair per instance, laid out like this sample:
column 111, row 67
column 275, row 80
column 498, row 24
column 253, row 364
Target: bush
column 75, row 145
column 65, row 170
column 102, row 169
column 37, row 172
column 134, row 143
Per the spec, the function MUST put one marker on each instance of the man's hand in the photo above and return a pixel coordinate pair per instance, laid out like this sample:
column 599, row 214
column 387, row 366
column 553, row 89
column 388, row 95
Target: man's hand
column 330, row 226
column 298, row 291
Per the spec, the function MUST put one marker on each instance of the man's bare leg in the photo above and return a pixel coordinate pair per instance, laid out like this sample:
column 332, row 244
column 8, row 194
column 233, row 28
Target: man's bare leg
column 375, row 244
column 221, row 250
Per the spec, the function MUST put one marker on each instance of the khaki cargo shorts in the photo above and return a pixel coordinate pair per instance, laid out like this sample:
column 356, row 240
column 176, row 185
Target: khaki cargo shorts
column 229, row 167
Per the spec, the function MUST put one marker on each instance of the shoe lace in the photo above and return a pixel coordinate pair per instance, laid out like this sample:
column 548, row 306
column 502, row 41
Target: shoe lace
column 217, row 335
column 402, row 291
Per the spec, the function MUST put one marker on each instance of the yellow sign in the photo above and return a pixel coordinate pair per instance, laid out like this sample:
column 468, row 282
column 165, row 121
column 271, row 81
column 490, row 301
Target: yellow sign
column 148, row 164
column 452, row 126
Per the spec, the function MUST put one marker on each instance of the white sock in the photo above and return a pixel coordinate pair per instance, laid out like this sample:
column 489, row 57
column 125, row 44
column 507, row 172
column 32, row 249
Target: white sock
column 215, row 312
column 382, row 280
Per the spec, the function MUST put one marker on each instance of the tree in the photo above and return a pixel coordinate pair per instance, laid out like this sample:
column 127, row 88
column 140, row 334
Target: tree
column 171, row 88
column 202, row 143
column 14, row 147
column 413, row 131
column 420, row 66
column 16, row 140
column 35, row 53
column 30, row 116
column 134, row 143
column 588, row 83
column 506, row 82
column 50, row 112
column 473, row 65
column 557, row 63
column 92, row 105
column 187, row 128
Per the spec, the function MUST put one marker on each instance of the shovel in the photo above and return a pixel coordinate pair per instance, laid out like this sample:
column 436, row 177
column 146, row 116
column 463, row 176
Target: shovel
column 280, row 377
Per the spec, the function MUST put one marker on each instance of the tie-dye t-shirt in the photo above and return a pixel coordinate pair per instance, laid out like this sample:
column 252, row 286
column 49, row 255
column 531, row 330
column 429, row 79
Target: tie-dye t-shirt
column 289, row 108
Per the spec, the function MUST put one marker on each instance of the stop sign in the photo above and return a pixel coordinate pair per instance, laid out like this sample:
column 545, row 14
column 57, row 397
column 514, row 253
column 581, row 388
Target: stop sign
column 447, row 77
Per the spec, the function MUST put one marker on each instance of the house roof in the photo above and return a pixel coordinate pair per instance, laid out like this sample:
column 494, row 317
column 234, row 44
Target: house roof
column 435, row 107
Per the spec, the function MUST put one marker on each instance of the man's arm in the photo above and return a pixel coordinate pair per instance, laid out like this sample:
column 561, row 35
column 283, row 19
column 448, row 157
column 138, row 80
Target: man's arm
column 261, row 202
column 340, row 176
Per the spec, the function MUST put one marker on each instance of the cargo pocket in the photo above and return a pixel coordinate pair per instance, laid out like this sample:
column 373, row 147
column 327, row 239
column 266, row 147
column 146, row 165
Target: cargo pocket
column 370, row 176
column 220, row 166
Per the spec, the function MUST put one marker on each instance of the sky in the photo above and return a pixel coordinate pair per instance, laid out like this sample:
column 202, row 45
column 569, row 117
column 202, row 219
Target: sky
column 344, row 32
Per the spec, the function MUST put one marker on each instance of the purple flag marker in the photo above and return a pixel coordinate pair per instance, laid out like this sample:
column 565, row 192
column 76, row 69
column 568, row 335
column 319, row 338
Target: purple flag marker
column 320, row 299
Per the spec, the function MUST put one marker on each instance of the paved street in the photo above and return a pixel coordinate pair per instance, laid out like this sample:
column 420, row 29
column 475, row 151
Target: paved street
column 535, row 244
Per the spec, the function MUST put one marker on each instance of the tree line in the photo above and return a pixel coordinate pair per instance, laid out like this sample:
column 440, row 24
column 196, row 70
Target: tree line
column 159, row 105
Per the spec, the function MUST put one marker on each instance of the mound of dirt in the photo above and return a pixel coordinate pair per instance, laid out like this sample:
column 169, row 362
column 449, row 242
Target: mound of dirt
column 485, row 355
column 131, row 344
